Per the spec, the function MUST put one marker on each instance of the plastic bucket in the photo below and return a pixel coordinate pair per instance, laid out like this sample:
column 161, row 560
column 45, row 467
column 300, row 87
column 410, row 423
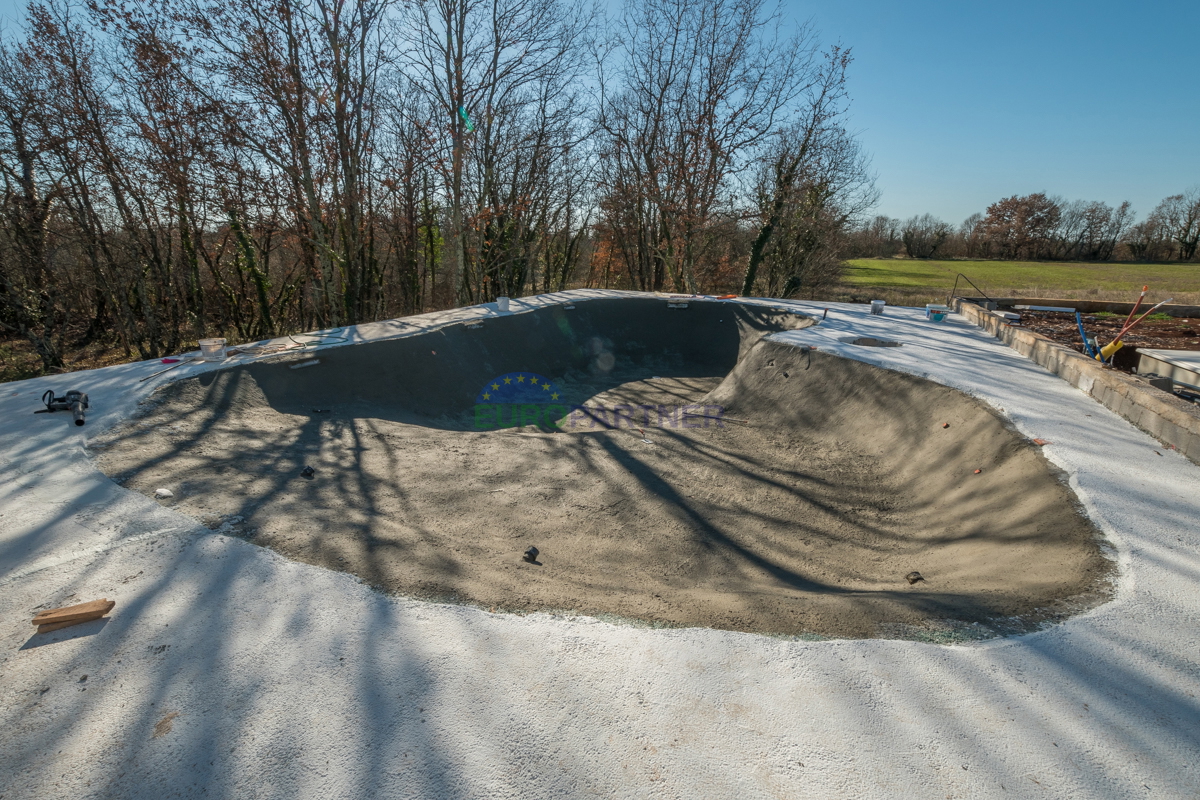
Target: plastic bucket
column 212, row 350
column 502, row 305
column 877, row 306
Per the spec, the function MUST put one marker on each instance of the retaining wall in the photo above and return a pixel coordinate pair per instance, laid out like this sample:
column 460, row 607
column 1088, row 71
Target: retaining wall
column 1089, row 306
column 1172, row 421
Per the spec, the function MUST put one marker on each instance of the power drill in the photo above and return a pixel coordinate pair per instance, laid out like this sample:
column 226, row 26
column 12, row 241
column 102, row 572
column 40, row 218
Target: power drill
column 74, row 401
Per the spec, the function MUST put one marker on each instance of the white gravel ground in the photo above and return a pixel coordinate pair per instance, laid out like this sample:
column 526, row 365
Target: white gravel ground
column 228, row 671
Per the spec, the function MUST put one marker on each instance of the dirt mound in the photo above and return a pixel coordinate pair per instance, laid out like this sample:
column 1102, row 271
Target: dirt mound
column 793, row 498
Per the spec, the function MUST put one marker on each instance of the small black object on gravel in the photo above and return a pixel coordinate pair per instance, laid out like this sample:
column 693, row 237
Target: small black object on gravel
column 531, row 555
column 913, row 577
column 307, row 472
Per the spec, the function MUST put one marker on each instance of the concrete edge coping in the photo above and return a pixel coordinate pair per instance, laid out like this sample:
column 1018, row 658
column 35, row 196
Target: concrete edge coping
column 1088, row 306
column 1170, row 424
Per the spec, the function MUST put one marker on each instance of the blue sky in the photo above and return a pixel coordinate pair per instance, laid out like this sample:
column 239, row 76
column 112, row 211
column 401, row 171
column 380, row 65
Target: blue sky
column 963, row 103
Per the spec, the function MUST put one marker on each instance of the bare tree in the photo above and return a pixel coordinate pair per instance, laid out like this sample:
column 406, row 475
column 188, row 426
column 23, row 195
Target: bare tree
column 814, row 186
column 1180, row 217
column 502, row 76
column 31, row 301
column 970, row 234
column 817, row 182
column 1148, row 240
column 923, row 235
column 700, row 87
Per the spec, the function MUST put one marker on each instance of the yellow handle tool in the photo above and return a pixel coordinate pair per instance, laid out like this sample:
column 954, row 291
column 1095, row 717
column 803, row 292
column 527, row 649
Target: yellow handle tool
column 1106, row 352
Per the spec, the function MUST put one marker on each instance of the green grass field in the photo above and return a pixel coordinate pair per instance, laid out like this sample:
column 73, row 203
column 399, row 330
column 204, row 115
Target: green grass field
column 915, row 282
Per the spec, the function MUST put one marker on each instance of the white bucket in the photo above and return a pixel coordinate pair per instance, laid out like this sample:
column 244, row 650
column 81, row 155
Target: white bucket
column 877, row 306
column 936, row 312
column 212, row 350
column 502, row 305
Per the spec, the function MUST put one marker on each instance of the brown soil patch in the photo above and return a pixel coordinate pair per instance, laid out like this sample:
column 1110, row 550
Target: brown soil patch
column 1179, row 333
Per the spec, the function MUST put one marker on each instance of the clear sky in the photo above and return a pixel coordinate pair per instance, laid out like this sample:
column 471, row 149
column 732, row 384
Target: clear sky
column 963, row 103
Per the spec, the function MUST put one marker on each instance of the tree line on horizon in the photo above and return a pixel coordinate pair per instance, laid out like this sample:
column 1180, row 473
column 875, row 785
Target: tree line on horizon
column 178, row 169
column 1037, row 227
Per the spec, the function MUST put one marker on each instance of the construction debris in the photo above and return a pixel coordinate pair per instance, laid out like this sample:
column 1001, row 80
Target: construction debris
column 163, row 494
column 531, row 555
column 913, row 577
column 65, row 617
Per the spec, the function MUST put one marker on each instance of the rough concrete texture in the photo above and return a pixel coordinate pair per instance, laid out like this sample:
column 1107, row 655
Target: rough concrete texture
column 228, row 671
column 1172, row 421
column 800, row 511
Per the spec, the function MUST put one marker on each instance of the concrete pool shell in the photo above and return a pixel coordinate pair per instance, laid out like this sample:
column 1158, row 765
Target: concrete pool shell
column 288, row 680
column 796, row 505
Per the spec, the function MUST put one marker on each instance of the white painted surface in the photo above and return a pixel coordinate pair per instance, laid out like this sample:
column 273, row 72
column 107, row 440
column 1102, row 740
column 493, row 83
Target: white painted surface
column 293, row 681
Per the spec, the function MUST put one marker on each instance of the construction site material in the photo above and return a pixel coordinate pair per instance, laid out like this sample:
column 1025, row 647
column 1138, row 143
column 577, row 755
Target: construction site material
column 1182, row 367
column 212, row 349
column 1088, row 344
column 1156, row 331
column 877, row 306
column 1082, row 306
column 913, row 577
column 799, row 523
column 1175, row 422
column 531, row 554
column 1062, row 309
column 57, row 618
column 1109, row 350
column 178, row 363
column 276, row 665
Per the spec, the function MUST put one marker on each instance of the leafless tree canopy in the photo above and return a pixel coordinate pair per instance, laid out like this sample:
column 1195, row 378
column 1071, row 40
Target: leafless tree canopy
column 1039, row 227
column 175, row 169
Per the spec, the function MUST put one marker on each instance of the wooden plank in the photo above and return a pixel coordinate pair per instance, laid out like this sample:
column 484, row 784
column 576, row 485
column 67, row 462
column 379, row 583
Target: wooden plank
column 53, row 626
column 78, row 611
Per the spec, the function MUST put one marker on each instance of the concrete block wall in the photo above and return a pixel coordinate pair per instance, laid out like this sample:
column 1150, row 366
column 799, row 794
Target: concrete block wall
column 1168, row 419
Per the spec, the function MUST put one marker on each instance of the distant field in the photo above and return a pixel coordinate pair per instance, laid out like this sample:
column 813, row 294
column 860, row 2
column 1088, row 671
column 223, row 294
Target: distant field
column 915, row 282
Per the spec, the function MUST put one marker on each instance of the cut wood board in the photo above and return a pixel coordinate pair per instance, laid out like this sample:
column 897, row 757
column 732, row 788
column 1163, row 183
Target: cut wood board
column 57, row 625
column 56, row 618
